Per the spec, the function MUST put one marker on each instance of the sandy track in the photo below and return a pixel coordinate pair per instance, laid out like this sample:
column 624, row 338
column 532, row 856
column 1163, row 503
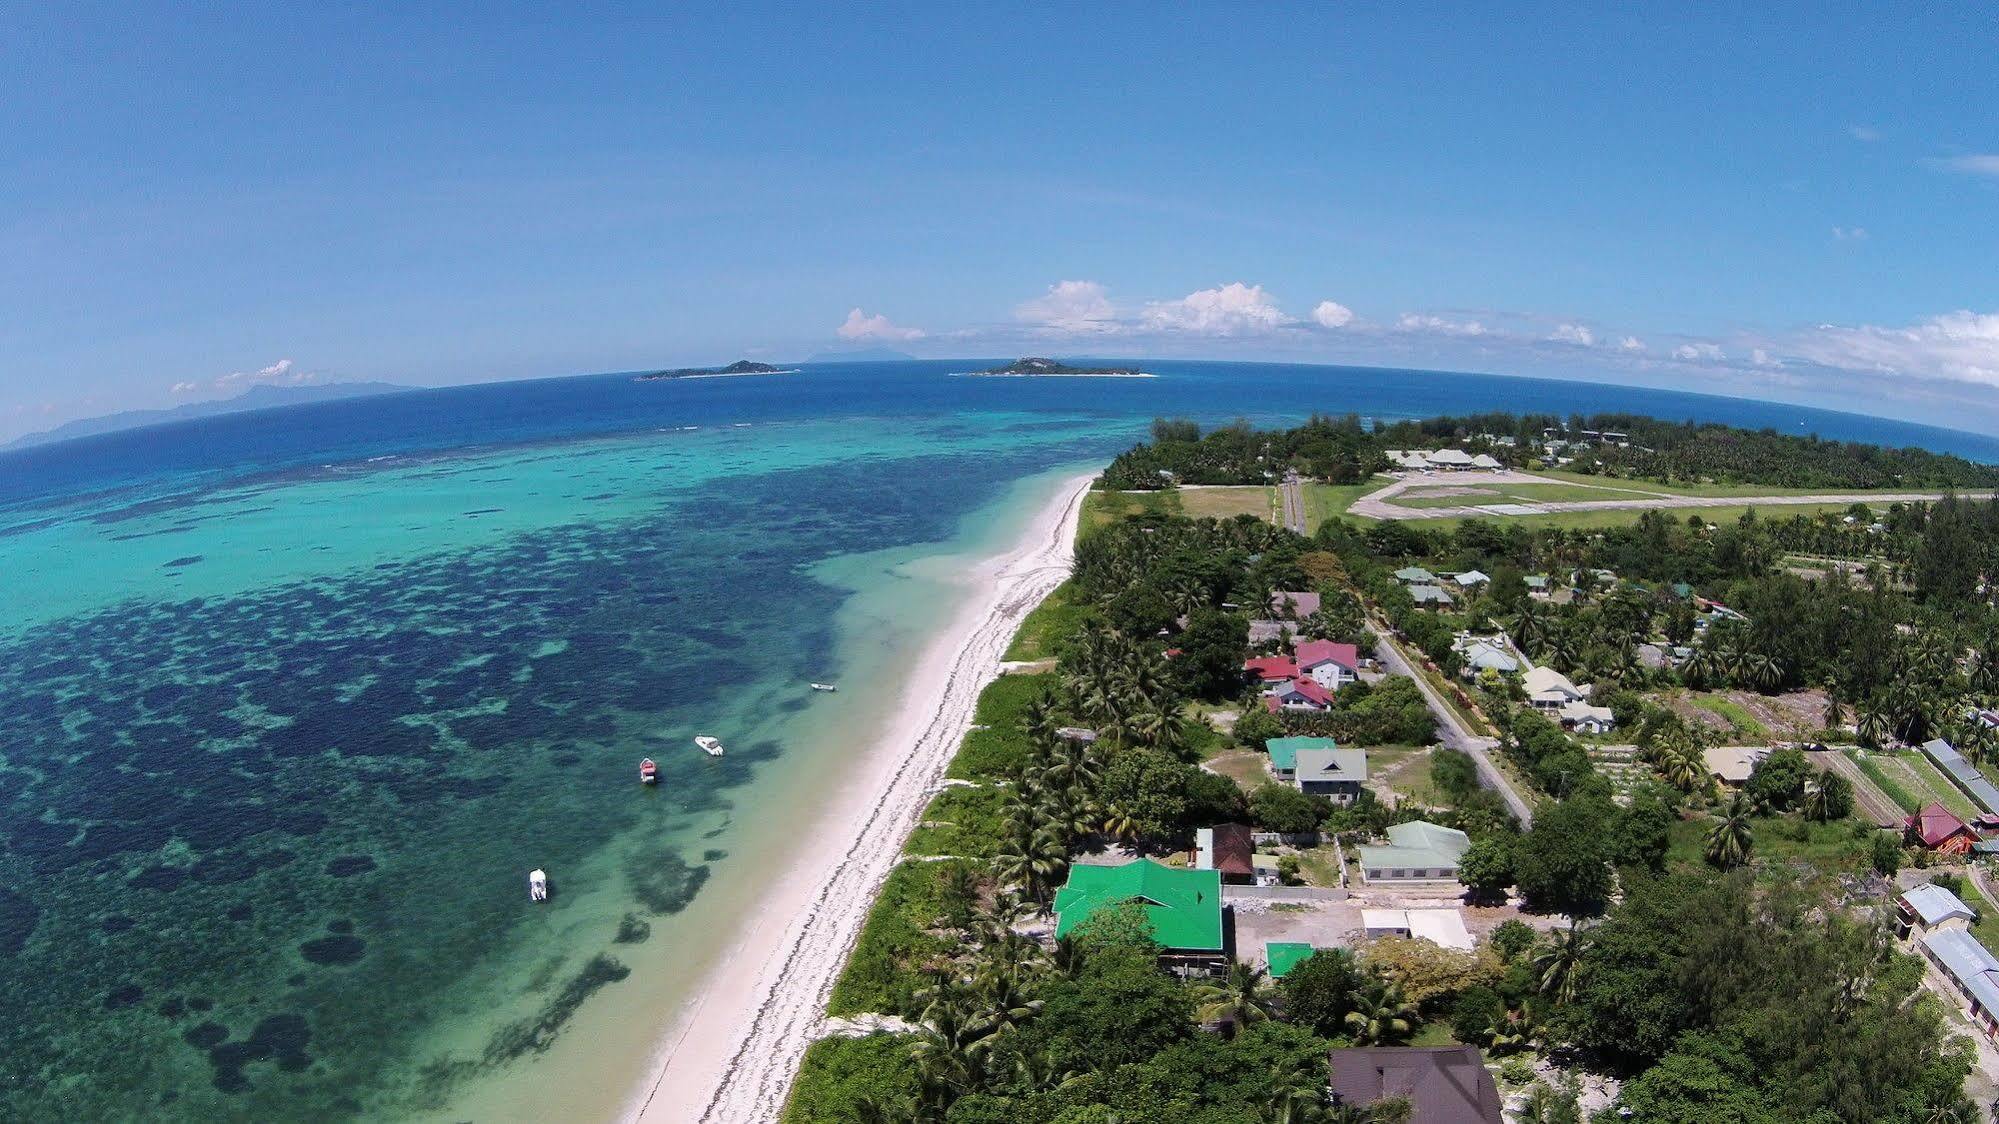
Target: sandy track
column 735, row 1048
column 1381, row 505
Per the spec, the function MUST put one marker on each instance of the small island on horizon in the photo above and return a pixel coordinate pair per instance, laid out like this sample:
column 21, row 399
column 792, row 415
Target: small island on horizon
column 1035, row 366
column 739, row 367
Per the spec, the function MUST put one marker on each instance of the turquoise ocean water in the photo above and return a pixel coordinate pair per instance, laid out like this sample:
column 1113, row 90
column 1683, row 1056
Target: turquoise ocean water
column 291, row 702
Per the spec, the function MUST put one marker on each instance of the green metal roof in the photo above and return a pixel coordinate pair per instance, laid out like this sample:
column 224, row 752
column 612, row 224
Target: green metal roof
column 1184, row 906
column 1417, row 844
column 1286, row 955
column 1284, row 751
column 1415, row 574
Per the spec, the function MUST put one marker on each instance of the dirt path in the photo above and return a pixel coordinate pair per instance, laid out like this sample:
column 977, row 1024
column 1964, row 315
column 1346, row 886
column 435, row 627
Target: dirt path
column 1380, row 505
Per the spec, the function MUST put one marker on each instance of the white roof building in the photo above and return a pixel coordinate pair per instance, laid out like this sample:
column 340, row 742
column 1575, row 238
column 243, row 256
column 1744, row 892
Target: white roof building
column 1932, row 905
column 1444, row 928
column 1550, row 689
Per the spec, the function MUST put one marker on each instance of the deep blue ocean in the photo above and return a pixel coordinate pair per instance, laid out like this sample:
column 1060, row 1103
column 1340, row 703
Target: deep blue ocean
column 290, row 701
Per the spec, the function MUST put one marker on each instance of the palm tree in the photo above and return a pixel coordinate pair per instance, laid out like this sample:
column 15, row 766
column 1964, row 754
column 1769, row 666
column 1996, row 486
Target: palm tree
column 1730, row 840
column 1835, row 708
column 1121, row 824
column 1705, row 666
column 1380, row 1015
column 1873, row 725
column 1684, row 767
column 1819, row 798
column 1559, row 963
column 1512, row 1031
column 1032, row 863
column 1240, row 998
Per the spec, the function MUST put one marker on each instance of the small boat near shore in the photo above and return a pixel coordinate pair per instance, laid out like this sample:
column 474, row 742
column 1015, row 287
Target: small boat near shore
column 537, row 885
column 711, row 746
column 648, row 772
column 824, row 687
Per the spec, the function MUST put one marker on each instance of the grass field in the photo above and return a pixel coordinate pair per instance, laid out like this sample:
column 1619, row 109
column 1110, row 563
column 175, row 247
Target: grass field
column 1324, row 501
column 1832, row 848
column 1101, row 508
column 1747, row 728
column 1684, row 488
column 1939, row 785
column 1227, row 503
column 1514, row 493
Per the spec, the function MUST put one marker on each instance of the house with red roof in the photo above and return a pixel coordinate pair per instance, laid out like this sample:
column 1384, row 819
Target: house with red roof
column 1299, row 694
column 1937, row 829
column 1330, row 665
column 1271, row 671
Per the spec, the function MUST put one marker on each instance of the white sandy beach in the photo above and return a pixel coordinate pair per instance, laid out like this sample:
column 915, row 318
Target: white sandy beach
column 735, row 1046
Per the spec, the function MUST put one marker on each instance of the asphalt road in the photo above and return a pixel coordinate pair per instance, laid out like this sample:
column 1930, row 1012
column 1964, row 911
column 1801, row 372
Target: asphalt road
column 1452, row 732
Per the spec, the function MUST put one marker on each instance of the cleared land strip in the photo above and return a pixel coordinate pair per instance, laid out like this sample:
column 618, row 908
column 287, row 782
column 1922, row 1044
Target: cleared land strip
column 1380, row 505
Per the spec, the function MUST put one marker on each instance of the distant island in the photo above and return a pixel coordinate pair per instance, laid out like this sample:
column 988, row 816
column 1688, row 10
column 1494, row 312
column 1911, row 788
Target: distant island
column 262, row 397
column 1034, row 366
column 739, row 367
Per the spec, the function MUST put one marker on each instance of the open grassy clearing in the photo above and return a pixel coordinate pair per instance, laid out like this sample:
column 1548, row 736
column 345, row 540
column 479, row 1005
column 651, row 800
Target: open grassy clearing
column 1246, row 767
column 1685, row 488
column 1325, row 501
column 1406, row 769
column 1229, row 502
column 1844, row 847
column 1746, row 729
column 1101, row 508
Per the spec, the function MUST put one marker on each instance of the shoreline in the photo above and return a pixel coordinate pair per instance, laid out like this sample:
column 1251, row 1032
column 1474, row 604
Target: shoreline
column 734, row 1047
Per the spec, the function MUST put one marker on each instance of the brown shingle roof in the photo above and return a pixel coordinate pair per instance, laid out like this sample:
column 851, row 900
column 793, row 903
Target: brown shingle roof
column 1235, row 853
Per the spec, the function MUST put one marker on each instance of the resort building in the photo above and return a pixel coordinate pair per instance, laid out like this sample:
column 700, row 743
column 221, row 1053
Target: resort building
column 1443, row 1084
column 1330, row 665
column 1973, row 973
column 1936, row 828
column 1182, row 907
column 1444, row 928
column 1434, row 596
column 1417, row 851
column 1337, row 774
column 1929, row 908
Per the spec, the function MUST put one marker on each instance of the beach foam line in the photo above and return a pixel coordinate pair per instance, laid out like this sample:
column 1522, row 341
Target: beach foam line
column 732, row 1052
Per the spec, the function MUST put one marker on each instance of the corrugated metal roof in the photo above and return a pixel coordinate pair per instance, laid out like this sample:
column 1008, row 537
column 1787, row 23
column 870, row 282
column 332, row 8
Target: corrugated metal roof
column 1933, row 903
column 1284, row 751
column 1974, row 968
column 1417, row 845
column 1285, row 955
column 1184, row 906
column 1331, row 765
column 1963, row 772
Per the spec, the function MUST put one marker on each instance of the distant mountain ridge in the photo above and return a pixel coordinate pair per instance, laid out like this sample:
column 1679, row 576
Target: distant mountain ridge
column 263, row 397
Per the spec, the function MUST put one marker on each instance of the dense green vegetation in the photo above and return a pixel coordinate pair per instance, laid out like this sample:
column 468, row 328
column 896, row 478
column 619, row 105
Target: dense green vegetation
column 1692, row 953
column 1343, row 451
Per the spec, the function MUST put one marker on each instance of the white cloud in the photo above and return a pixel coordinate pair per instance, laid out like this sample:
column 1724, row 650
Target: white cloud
column 1412, row 322
column 1699, row 353
column 1577, row 334
column 1962, row 346
column 281, row 373
column 1761, row 358
column 186, row 387
column 1866, row 133
column 1234, row 309
column 1976, row 164
column 861, row 326
column 1071, row 306
column 1849, row 233
column 1332, row 314
column 1631, row 343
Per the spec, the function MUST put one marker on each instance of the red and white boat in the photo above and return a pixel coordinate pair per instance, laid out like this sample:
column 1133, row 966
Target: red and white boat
column 648, row 772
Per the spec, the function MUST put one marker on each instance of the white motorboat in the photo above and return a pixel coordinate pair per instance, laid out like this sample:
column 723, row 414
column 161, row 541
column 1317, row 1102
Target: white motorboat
column 824, row 687
column 711, row 746
column 538, row 885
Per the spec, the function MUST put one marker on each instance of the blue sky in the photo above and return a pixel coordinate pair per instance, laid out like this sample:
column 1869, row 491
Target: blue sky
column 1798, row 203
